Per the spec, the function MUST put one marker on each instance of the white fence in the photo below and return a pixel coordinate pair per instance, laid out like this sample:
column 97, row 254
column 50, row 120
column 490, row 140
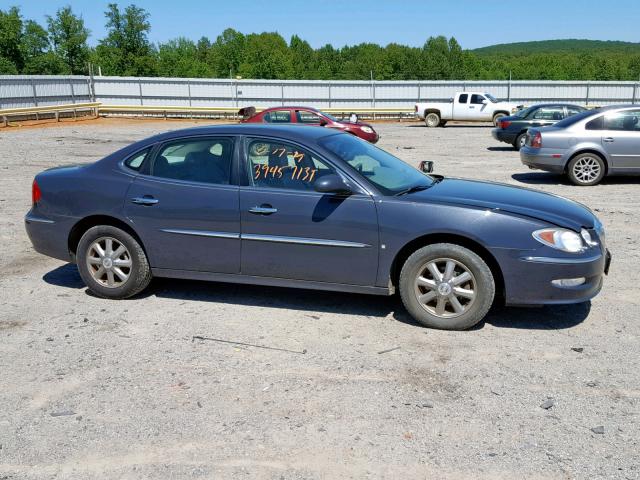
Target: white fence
column 27, row 91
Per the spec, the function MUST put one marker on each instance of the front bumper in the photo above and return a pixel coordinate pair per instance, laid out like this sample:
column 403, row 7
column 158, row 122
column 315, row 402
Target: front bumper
column 543, row 159
column 528, row 278
column 503, row 135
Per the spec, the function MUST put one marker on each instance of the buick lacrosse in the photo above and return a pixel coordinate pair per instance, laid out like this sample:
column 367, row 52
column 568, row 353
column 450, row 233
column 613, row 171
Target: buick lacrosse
column 313, row 208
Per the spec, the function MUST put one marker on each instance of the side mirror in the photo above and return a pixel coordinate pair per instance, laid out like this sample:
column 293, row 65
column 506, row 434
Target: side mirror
column 332, row 184
column 484, row 102
column 323, row 122
column 353, row 118
column 426, row 166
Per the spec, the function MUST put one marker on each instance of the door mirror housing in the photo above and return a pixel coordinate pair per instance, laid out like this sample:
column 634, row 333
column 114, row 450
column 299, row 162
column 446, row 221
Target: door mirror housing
column 426, row 166
column 353, row 118
column 332, row 184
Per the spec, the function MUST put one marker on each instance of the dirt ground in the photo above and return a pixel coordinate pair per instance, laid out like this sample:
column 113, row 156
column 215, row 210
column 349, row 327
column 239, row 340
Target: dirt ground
column 98, row 389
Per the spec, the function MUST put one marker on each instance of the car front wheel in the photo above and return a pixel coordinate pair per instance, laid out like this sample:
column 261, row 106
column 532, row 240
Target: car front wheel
column 446, row 286
column 112, row 263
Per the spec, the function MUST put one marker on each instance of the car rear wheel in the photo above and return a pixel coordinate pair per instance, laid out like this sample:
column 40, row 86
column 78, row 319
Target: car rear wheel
column 520, row 141
column 432, row 120
column 446, row 286
column 586, row 169
column 112, row 263
column 497, row 117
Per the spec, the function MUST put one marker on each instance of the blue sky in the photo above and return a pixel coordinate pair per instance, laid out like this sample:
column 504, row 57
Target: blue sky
column 473, row 23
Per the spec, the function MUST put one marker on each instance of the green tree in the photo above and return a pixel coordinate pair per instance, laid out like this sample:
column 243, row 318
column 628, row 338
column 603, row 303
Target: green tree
column 10, row 39
column 179, row 58
column 126, row 49
column 69, row 38
column 226, row 53
column 266, row 55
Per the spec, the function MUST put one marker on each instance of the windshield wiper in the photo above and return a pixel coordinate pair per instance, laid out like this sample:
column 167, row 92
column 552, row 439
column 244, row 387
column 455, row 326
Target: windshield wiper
column 415, row 188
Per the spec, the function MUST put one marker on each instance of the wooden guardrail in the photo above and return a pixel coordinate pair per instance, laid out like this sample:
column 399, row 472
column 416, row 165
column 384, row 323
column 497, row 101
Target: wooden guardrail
column 74, row 108
column 98, row 108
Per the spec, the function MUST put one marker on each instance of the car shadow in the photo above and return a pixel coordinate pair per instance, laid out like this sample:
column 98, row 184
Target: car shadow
column 501, row 149
column 546, row 178
column 374, row 306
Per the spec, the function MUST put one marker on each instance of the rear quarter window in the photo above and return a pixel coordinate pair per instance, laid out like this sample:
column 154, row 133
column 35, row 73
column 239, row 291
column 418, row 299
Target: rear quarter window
column 135, row 161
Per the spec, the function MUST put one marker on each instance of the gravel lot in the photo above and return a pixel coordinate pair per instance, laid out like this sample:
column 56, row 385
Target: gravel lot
column 97, row 389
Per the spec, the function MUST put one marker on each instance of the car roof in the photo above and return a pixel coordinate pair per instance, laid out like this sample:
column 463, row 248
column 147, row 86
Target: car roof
column 294, row 107
column 287, row 131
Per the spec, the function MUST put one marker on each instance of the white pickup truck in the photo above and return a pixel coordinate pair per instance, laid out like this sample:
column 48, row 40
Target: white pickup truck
column 465, row 106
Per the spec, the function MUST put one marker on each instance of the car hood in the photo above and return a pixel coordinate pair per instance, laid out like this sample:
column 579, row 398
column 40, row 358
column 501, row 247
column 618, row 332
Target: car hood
column 518, row 200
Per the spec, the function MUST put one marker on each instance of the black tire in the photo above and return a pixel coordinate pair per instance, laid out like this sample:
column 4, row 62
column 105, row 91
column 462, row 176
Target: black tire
column 519, row 141
column 481, row 282
column 586, row 169
column 432, row 119
column 442, row 123
column 139, row 271
column 497, row 117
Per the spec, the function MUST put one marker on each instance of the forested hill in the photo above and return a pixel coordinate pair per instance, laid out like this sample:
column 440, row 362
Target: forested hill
column 560, row 46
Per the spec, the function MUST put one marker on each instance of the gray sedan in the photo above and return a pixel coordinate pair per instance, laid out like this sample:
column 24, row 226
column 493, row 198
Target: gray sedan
column 588, row 146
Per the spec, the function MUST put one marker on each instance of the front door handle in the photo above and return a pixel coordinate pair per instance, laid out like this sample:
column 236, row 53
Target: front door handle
column 264, row 209
column 147, row 201
column 608, row 139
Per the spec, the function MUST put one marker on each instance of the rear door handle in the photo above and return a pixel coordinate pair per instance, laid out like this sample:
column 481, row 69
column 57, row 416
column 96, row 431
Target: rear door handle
column 608, row 139
column 147, row 201
column 263, row 209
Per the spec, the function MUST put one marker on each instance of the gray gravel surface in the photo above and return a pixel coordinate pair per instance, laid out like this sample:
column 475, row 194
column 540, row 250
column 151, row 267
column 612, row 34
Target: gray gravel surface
column 98, row 389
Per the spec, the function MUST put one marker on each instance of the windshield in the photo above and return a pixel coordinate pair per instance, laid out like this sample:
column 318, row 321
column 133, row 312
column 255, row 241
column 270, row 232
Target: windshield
column 491, row 97
column 386, row 172
column 575, row 118
column 330, row 117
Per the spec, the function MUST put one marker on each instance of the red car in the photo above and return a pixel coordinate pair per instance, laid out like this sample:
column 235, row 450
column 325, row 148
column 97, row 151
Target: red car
column 309, row 116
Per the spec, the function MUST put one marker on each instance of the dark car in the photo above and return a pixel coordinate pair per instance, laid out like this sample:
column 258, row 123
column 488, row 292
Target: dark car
column 313, row 208
column 513, row 129
column 309, row 116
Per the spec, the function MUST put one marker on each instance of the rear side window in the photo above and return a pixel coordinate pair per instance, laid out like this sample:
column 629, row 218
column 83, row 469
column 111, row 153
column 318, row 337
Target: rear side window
column 463, row 98
column 596, row 124
column 205, row 160
column 135, row 161
column 278, row 116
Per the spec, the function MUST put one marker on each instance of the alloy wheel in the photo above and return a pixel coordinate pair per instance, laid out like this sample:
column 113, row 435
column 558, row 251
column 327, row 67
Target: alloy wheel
column 445, row 288
column 109, row 262
column 586, row 169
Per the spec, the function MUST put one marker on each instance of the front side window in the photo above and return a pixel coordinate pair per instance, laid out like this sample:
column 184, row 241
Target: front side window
column 277, row 164
column 477, row 99
column 627, row 121
column 463, row 98
column 549, row 113
column 278, row 116
column 386, row 172
column 310, row 118
column 206, row 160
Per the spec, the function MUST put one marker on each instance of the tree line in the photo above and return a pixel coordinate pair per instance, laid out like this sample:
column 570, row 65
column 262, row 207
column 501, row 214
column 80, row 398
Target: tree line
column 61, row 47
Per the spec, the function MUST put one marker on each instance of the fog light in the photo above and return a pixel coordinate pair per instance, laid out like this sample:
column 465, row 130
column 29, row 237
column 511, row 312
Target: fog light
column 568, row 282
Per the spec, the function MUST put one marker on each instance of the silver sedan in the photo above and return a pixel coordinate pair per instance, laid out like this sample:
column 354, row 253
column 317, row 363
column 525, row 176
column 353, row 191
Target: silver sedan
column 588, row 146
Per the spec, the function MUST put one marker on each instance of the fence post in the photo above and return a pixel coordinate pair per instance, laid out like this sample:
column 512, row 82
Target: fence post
column 588, row 87
column 35, row 96
column 509, row 88
column 282, row 94
column 329, row 93
column 140, row 89
column 635, row 91
column 419, row 93
column 189, row 91
column 73, row 94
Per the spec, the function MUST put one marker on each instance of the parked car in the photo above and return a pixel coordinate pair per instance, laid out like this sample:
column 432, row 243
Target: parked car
column 588, row 146
column 310, row 116
column 513, row 129
column 313, row 208
column 466, row 106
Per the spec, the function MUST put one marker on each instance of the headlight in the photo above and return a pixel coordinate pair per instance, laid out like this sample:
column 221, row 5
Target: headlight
column 560, row 239
column 366, row 129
